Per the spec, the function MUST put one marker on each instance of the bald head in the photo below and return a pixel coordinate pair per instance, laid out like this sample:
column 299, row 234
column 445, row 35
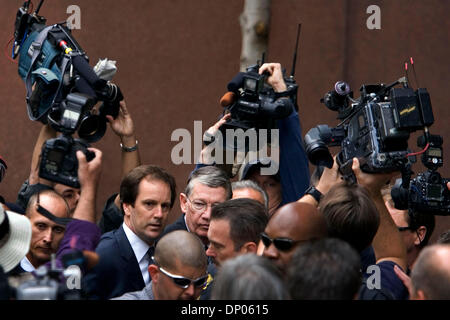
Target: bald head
column 48, row 199
column 180, row 247
column 294, row 222
column 302, row 220
column 430, row 275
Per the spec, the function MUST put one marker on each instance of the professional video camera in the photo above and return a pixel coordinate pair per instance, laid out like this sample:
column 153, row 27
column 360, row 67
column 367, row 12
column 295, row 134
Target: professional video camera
column 257, row 105
column 375, row 128
column 428, row 192
column 253, row 104
column 62, row 89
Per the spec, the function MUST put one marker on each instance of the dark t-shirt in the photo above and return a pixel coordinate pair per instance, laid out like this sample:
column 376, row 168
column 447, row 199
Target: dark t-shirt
column 391, row 287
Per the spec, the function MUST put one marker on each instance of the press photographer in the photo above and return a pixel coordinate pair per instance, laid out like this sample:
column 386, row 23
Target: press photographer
column 254, row 103
column 292, row 178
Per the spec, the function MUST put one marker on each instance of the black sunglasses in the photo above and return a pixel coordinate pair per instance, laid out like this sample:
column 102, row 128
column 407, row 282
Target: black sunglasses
column 282, row 244
column 185, row 282
column 405, row 228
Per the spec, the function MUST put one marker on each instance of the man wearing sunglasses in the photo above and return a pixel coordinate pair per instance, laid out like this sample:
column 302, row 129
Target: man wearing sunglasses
column 415, row 228
column 288, row 227
column 357, row 214
column 179, row 272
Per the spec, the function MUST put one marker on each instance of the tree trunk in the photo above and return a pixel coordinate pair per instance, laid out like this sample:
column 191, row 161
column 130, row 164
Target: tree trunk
column 255, row 31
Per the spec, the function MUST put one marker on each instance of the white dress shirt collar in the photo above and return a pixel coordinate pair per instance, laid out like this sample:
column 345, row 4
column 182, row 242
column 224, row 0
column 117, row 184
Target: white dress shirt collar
column 140, row 248
column 26, row 265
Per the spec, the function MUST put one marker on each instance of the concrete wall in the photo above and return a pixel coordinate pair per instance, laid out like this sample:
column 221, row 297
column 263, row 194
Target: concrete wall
column 176, row 57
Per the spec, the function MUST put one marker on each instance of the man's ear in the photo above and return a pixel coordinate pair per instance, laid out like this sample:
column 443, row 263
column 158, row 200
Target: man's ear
column 183, row 202
column 127, row 208
column 154, row 272
column 249, row 247
column 420, row 235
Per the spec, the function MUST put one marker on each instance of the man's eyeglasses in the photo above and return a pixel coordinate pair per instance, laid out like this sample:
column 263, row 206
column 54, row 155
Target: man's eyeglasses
column 405, row 228
column 412, row 230
column 183, row 282
column 282, row 244
column 200, row 206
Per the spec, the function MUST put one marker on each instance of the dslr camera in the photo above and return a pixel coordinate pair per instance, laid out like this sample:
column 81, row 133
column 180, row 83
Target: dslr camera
column 374, row 128
column 428, row 191
column 58, row 156
column 62, row 90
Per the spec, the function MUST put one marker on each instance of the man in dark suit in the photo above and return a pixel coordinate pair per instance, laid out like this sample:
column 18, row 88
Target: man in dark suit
column 206, row 187
column 147, row 194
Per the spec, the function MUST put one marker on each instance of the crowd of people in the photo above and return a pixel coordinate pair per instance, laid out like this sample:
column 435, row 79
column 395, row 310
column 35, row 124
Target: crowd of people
column 255, row 237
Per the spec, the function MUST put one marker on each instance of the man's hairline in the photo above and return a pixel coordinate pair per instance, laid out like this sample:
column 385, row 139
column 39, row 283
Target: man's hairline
column 149, row 178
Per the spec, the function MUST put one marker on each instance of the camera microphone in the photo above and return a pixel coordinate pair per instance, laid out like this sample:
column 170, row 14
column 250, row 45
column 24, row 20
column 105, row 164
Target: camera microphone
column 227, row 99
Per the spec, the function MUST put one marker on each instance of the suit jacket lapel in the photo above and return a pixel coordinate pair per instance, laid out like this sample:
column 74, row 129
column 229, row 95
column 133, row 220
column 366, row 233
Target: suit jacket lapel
column 131, row 265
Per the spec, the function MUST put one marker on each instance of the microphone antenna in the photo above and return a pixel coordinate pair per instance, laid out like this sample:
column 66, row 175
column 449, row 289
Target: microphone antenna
column 38, row 7
column 295, row 51
column 406, row 83
column 414, row 71
column 263, row 58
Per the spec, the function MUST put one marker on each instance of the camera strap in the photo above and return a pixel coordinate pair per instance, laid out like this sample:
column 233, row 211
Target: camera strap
column 37, row 46
column 49, row 215
column 52, row 217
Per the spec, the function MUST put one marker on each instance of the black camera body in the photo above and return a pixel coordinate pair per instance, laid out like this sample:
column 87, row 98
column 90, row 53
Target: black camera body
column 427, row 192
column 58, row 156
column 375, row 128
column 256, row 106
column 59, row 162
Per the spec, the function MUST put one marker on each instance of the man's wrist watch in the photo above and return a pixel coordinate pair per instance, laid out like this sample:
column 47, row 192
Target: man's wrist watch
column 129, row 149
column 316, row 194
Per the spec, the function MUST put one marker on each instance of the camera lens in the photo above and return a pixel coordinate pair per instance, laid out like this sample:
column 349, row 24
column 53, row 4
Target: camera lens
column 319, row 154
column 316, row 149
column 92, row 128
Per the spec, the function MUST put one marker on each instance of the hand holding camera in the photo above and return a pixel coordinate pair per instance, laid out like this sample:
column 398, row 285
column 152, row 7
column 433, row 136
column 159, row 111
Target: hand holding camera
column 274, row 76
